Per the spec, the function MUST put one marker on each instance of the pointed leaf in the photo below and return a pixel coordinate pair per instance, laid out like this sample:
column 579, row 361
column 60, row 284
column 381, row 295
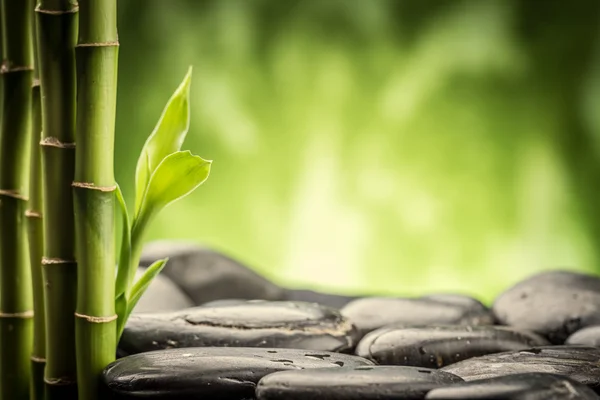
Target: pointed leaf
column 124, row 273
column 176, row 177
column 138, row 289
column 167, row 137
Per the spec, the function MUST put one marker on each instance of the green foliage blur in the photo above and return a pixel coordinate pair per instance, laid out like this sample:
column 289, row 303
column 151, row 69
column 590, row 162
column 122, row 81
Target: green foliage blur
column 377, row 146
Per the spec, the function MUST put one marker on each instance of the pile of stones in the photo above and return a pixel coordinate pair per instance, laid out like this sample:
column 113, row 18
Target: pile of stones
column 211, row 328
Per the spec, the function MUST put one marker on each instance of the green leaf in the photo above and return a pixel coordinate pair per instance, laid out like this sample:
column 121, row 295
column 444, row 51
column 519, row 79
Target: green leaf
column 167, row 137
column 138, row 289
column 124, row 273
column 175, row 177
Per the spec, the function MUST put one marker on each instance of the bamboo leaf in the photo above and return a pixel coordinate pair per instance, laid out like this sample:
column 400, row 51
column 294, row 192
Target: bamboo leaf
column 137, row 290
column 167, row 137
column 176, row 177
column 124, row 273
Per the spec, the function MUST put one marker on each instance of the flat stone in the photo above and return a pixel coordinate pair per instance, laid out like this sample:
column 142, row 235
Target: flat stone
column 435, row 347
column 223, row 373
column 533, row 386
column 162, row 295
column 206, row 275
column 589, row 336
column 371, row 313
column 311, row 296
column 579, row 363
column 249, row 324
column 554, row 304
column 353, row 383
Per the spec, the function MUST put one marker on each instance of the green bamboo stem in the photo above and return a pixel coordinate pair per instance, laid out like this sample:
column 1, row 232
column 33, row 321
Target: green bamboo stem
column 94, row 192
column 16, row 306
column 57, row 36
column 36, row 244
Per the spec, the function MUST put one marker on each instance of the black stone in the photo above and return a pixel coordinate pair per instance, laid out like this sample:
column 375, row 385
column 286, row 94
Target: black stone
column 162, row 295
column 435, row 347
column 589, row 336
column 371, row 313
column 534, row 386
column 577, row 362
column 554, row 304
column 326, row 299
column 248, row 324
column 215, row 373
column 357, row 383
column 206, row 275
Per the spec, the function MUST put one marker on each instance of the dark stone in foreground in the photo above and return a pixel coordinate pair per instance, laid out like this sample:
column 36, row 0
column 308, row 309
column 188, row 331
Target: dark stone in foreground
column 371, row 313
column 554, row 304
column 248, row 324
column 358, row 383
column 535, row 386
column 435, row 347
column 589, row 336
column 206, row 275
column 215, row 373
column 577, row 362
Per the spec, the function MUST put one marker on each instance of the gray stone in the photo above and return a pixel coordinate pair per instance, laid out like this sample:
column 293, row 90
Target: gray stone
column 162, row 295
column 589, row 336
column 215, row 373
column 579, row 363
column 353, row 383
column 311, row 296
column 534, row 386
column 371, row 313
column 554, row 304
column 255, row 323
column 206, row 275
column 435, row 347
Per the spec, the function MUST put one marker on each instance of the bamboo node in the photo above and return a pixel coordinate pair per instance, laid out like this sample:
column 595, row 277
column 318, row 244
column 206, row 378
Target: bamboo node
column 72, row 10
column 55, row 142
column 7, row 67
column 96, row 320
column 62, row 381
column 37, row 359
column 92, row 186
column 15, row 194
column 33, row 214
column 24, row 314
column 56, row 260
column 114, row 43
column 36, row 83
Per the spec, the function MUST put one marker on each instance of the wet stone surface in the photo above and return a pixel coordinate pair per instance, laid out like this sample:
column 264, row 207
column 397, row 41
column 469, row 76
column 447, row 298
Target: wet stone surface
column 216, row 373
column 589, row 336
column 358, row 383
column 206, row 275
column 579, row 363
column 371, row 313
column 534, row 386
column 241, row 324
column 554, row 304
column 435, row 347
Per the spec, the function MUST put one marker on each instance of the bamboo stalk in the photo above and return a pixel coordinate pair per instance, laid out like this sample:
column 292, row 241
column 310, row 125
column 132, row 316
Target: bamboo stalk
column 57, row 36
column 94, row 187
column 36, row 243
column 16, row 325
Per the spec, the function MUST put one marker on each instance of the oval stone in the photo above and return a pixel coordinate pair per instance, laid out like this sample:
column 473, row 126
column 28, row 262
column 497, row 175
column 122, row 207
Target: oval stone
column 435, row 347
column 210, row 373
column 241, row 324
column 554, row 304
column 579, row 363
column 589, row 336
column 358, row 383
column 162, row 295
column 371, row 313
column 206, row 275
column 534, row 386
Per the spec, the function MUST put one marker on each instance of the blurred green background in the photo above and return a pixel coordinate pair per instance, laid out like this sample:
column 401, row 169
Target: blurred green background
column 377, row 146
